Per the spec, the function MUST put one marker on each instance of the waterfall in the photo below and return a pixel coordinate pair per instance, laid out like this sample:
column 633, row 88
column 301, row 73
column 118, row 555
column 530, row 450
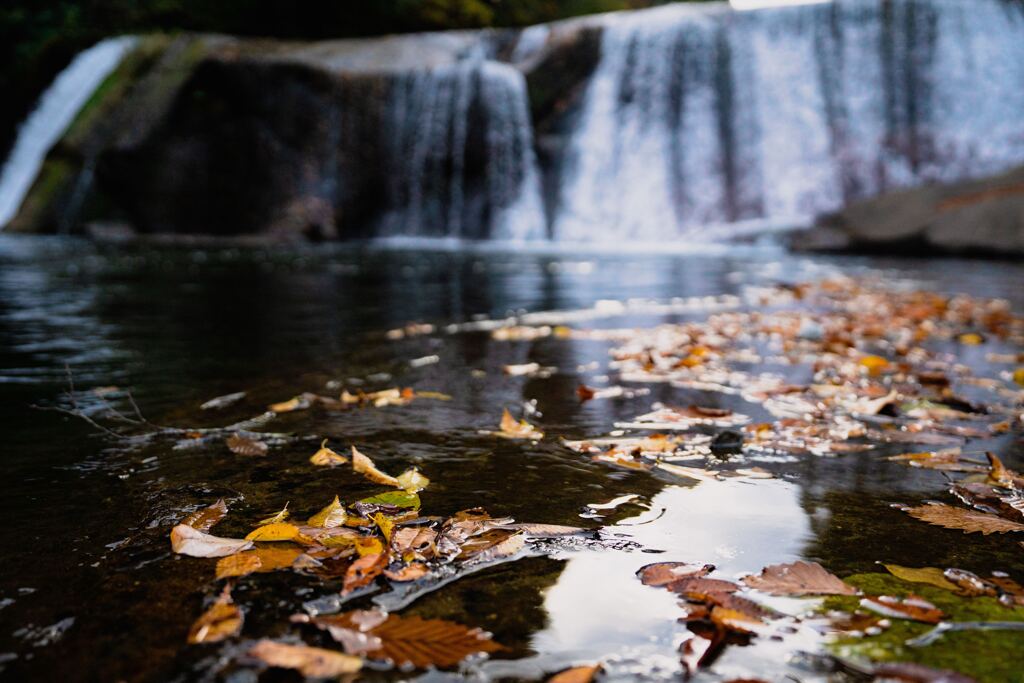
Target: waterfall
column 703, row 116
column 458, row 143
column 55, row 111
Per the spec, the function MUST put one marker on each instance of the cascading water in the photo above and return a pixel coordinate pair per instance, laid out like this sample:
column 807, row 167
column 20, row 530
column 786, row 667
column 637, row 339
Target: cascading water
column 458, row 142
column 56, row 109
column 701, row 116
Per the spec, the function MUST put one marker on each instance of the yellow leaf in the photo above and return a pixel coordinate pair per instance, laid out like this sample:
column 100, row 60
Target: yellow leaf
column 238, row 564
column 412, row 481
column 385, row 525
column 874, row 364
column 522, row 429
column 971, row 339
column 327, row 457
column 274, row 519
column 280, row 531
column 260, row 560
column 363, row 465
column 368, row 545
column 331, row 516
column 929, row 575
column 221, row 621
column 1018, row 376
column 289, row 405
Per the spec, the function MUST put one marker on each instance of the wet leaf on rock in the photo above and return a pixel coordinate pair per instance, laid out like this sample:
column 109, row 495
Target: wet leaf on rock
column 398, row 499
column 313, row 662
column 279, row 531
column 662, row 573
column 410, row 572
column 221, row 621
column 204, row 519
column 970, row 521
column 911, row 607
column 243, row 445
column 188, row 541
column 363, row 571
column 577, row 674
column 929, row 575
column 799, row 578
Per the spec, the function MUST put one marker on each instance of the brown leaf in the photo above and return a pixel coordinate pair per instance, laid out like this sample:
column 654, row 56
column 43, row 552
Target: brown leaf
column 917, row 673
column 313, row 662
column 492, row 545
column 698, row 588
column 363, row 465
column 188, row 541
column 698, row 651
column 412, row 641
column 513, row 429
column 577, row 674
column 547, row 530
column 410, row 572
column 325, row 457
column 970, row 521
column 204, row 519
column 262, row 560
column 363, row 571
column 799, row 578
column 243, row 445
column 221, row 621
column 662, row 573
column 912, row 607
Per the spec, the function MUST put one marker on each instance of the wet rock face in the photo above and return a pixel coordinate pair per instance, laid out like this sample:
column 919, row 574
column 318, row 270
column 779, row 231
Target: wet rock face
column 982, row 216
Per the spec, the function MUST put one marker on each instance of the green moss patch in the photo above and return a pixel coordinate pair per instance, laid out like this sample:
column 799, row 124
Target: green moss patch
column 989, row 656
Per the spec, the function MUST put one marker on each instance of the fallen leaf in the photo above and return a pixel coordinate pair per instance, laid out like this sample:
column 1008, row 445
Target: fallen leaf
column 262, row 560
column 292, row 404
column 368, row 546
column 325, row 457
column 523, row 369
column 204, row 519
column 398, row 499
column 221, row 621
column 912, row 607
column 243, row 445
column 222, row 401
column 513, row 429
column 412, row 641
column 547, row 530
column 917, row 673
column 332, row 516
column 577, row 674
column 279, row 531
column 280, row 516
column 412, row 481
column 188, row 541
column 491, row 545
column 970, row 521
column 799, row 578
column 410, row 572
column 698, row 651
column 700, row 588
column 662, row 573
column 313, row 662
column 363, row 571
column 419, row 541
column 363, row 465
column 929, row 575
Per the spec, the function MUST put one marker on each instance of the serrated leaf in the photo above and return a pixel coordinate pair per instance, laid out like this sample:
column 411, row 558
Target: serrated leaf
column 970, row 521
column 243, row 445
column 799, row 578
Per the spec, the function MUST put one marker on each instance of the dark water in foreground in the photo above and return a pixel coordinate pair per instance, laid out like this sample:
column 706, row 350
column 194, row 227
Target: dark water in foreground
column 89, row 589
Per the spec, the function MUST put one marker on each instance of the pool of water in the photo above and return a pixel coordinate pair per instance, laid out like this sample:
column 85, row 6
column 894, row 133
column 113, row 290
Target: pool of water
column 89, row 589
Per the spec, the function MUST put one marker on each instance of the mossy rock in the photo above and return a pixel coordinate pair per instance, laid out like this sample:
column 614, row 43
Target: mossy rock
column 988, row 656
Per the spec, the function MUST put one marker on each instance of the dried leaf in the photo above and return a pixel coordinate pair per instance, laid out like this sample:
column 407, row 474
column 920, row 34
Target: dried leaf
column 262, row 560
column 333, row 515
column 280, row 516
column 325, row 457
column 662, row 573
column 243, row 445
column 929, row 575
column 398, row 499
column 222, row 401
column 363, row 571
column 917, row 673
column 204, row 519
column 363, row 465
column 799, row 578
column 577, row 674
column 700, row 588
column 410, row 572
column 296, row 403
column 412, row 481
column 970, row 521
column 279, row 531
column 912, row 607
column 188, row 541
column 313, row 662
column 412, row 641
column 221, row 621
column 513, row 429
column 547, row 530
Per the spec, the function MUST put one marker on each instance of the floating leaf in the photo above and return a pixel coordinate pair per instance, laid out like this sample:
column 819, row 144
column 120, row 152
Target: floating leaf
column 363, row 465
column 917, row 673
column 513, row 429
column 279, row 531
column 221, row 621
column 274, row 519
column 333, row 515
column 412, row 481
column 912, row 607
column 700, row 588
column 547, row 530
column 799, row 578
column 363, row 571
column 262, row 560
column 313, row 662
column 970, row 521
column 188, row 541
column 662, row 573
column 399, row 499
column 325, row 457
column 243, row 445
column 929, row 575
column 222, row 401
column 204, row 519
column 412, row 641
column 577, row 674
column 292, row 404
